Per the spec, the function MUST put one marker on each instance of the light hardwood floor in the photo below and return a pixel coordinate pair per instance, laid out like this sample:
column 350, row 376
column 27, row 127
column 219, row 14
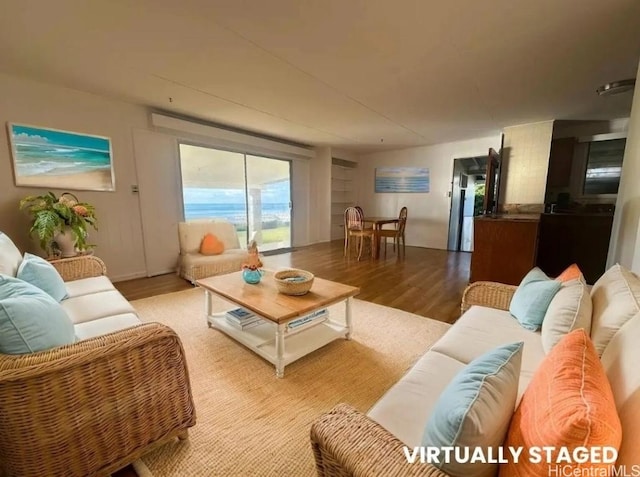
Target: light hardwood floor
column 423, row 281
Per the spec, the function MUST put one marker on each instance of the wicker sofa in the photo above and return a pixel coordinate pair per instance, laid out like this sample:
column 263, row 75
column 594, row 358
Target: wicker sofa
column 347, row 442
column 192, row 265
column 94, row 406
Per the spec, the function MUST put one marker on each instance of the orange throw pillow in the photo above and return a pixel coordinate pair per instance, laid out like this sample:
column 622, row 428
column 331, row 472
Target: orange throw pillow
column 211, row 245
column 571, row 273
column 567, row 403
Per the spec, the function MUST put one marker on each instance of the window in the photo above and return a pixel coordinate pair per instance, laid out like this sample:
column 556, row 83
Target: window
column 604, row 167
column 251, row 192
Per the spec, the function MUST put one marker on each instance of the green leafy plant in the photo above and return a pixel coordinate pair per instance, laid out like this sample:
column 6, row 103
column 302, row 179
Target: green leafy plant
column 52, row 215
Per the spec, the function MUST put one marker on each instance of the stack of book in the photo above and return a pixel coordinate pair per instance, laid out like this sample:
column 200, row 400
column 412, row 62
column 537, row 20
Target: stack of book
column 242, row 318
column 306, row 321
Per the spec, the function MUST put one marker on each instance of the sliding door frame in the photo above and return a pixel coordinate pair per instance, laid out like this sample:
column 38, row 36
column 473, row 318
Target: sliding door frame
column 244, row 153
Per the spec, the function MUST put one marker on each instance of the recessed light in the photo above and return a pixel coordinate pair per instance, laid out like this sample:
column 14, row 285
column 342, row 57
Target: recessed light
column 616, row 87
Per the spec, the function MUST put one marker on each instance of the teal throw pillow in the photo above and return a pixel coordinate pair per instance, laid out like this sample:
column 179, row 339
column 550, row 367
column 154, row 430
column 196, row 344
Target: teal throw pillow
column 475, row 409
column 37, row 271
column 532, row 298
column 30, row 320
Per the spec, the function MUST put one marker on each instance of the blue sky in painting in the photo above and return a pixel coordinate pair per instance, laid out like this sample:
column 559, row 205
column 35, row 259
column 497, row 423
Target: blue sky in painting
column 36, row 136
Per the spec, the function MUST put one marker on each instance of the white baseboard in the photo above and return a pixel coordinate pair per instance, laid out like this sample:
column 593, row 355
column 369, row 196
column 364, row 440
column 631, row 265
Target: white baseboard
column 129, row 276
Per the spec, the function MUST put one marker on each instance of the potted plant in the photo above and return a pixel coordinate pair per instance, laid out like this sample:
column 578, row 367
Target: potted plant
column 60, row 223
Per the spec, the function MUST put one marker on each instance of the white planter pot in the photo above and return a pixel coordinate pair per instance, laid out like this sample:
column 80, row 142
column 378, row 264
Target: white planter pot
column 66, row 241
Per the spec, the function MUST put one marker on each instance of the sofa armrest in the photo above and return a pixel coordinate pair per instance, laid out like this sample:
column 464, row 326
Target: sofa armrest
column 95, row 406
column 75, row 268
column 345, row 442
column 490, row 294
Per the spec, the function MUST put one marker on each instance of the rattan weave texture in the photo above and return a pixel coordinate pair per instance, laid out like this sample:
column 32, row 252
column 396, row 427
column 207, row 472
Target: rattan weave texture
column 95, row 406
column 346, row 442
column 489, row 294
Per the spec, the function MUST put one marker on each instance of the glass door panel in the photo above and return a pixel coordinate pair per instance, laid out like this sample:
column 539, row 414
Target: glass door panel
column 269, row 202
column 213, row 186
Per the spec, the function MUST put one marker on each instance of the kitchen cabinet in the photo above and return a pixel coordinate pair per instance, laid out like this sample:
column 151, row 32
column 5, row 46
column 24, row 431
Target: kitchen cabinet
column 505, row 247
column 581, row 238
column 560, row 161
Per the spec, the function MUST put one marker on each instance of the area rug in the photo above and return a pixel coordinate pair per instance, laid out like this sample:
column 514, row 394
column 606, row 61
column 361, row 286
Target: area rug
column 251, row 423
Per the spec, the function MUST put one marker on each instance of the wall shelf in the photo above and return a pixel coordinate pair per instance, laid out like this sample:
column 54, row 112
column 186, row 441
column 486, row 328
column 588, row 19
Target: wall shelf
column 342, row 194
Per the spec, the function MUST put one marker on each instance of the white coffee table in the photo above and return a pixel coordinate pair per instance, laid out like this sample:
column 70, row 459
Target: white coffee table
column 271, row 340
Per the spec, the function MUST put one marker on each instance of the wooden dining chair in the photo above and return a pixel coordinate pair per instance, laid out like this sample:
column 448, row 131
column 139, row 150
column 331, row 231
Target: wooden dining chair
column 354, row 228
column 396, row 234
column 365, row 225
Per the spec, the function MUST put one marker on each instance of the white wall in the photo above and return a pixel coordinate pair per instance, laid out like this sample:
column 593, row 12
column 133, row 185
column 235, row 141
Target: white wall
column 428, row 218
column 624, row 247
column 119, row 238
column 525, row 163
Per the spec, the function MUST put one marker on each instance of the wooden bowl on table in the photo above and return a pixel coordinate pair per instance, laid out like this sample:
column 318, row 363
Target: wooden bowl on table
column 293, row 281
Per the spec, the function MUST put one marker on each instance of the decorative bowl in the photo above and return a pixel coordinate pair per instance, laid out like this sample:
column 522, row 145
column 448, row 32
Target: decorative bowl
column 293, row 281
column 251, row 276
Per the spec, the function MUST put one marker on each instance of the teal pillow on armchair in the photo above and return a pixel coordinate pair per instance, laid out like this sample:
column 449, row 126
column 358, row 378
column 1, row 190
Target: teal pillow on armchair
column 532, row 298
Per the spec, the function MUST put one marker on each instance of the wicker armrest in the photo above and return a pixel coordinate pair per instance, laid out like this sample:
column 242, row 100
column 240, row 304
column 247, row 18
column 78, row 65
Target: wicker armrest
column 490, row 294
column 75, row 268
column 345, row 443
column 95, row 406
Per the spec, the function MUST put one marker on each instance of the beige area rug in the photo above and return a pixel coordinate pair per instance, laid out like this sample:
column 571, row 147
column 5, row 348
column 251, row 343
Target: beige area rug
column 249, row 423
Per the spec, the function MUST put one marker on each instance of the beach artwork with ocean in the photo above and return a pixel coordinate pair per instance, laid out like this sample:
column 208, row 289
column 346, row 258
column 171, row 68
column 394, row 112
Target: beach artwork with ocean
column 402, row 179
column 59, row 159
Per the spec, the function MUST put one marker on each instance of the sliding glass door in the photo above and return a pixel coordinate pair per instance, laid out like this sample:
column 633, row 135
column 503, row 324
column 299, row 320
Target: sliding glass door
column 269, row 201
column 252, row 192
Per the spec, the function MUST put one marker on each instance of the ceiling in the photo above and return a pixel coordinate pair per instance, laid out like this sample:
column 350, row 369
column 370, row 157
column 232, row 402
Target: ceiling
column 360, row 75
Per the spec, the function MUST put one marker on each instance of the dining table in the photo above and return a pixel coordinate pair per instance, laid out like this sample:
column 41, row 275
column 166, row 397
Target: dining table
column 377, row 223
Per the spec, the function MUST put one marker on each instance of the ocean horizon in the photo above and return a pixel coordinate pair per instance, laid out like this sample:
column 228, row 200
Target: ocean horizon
column 236, row 212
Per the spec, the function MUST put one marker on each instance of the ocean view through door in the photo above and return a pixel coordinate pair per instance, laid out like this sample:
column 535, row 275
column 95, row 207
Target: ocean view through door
column 251, row 192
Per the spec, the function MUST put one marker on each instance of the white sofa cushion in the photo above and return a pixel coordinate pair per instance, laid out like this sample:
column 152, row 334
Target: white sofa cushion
column 191, row 233
column 482, row 329
column 10, row 256
column 90, row 307
column 103, row 326
column 569, row 310
column 405, row 409
column 86, row 286
column 620, row 359
column 235, row 255
column 616, row 298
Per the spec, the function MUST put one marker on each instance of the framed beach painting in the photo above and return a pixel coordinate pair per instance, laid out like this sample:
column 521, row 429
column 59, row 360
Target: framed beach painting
column 51, row 158
column 402, row 179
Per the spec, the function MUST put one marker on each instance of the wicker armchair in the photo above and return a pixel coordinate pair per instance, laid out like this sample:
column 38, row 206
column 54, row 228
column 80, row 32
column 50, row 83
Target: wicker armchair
column 95, row 406
column 346, row 443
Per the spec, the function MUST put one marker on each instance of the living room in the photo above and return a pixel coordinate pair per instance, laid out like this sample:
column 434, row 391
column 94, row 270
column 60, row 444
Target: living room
column 356, row 88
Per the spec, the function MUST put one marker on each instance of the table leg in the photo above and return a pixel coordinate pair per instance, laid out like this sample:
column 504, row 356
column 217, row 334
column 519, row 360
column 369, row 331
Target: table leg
column 207, row 307
column 280, row 351
column 348, row 320
column 377, row 238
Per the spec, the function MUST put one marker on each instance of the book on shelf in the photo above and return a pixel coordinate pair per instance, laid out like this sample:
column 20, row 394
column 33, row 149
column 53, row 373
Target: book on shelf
column 240, row 315
column 242, row 318
column 312, row 318
column 246, row 326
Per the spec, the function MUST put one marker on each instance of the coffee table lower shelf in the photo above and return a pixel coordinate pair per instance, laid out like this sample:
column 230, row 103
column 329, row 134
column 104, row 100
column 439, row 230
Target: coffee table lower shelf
column 276, row 345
